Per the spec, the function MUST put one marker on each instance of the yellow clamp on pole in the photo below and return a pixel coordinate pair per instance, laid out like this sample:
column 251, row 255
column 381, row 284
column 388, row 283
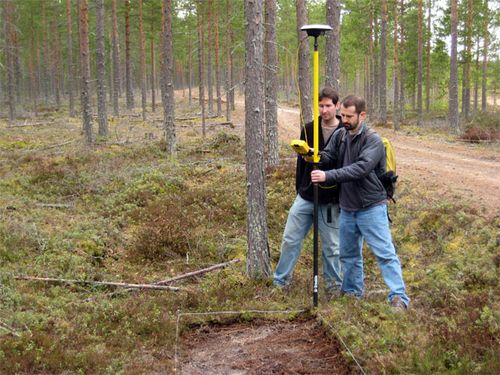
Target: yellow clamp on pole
column 316, row 107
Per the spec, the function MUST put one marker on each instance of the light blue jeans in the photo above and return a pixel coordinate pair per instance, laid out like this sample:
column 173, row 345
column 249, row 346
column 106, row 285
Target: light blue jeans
column 300, row 220
column 371, row 224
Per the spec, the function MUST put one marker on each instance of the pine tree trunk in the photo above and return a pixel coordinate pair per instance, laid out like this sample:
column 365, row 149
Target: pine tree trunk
column 258, row 262
column 332, row 77
column 467, row 64
column 168, row 99
column 201, row 88
column 304, row 70
column 402, row 70
column 190, row 69
column 453, row 90
column 153, row 65
column 85, row 70
column 217, row 66
column 102, row 114
column 476, row 77
column 271, row 82
column 383, row 64
column 428, row 72
column 128, row 61
column 228, row 60
column 209, row 59
column 371, row 80
column 116, row 60
column 395, row 111
column 9, row 48
column 420, row 63
column 484, row 82
column 142, row 39
column 69, row 54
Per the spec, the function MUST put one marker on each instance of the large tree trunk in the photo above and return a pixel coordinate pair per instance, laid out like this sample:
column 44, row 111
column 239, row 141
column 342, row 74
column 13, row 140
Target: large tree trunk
column 168, row 79
column 420, row 62
column 102, row 114
column 271, row 81
column 85, row 70
column 484, row 82
column 395, row 111
column 453, row 89
column 69, row 52
column 304, row 70
column 142, row 43
column 116, row 60
column 258, row 262
column 128, row 61
column 383, row 64
column 332, row 76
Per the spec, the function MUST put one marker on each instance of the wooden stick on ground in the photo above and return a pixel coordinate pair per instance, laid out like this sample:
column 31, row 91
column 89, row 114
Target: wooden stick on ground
column 198, row 272
column 9, row 329
column 115, row 284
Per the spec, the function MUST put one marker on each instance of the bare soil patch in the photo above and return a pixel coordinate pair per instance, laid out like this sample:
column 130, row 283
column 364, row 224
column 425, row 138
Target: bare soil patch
column 262, row 347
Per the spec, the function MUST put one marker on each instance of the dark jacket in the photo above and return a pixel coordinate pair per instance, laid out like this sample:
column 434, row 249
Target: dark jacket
column 327, row 193
column 367, row 152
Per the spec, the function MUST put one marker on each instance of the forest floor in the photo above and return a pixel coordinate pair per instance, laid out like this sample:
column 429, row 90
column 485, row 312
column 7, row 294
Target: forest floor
column 443, row 166
column 123, row 211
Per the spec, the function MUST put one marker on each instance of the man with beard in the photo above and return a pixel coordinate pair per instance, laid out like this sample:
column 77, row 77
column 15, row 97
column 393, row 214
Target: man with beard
column 357, row 154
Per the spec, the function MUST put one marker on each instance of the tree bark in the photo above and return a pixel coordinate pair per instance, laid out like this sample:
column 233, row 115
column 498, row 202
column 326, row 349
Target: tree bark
column 395, row 111
column 402, row 70
column 69, row 53
column 102, row 114
column 453, row 89
column 271, row 82
column 168, row 79
column 383, row 64
column 228, row 60
column 420, row 63
column 258, row 262
column 128, row 60
column 217, row 64
column 9, row 48
column 484, row 81
column 304, row 69
column 428, row 72
column 153, row 65
column 209, row 59
column 116, row 60
column 467, row 63
column 142, row 47
column 201, row 88
column 332, row 76
column 85, row 70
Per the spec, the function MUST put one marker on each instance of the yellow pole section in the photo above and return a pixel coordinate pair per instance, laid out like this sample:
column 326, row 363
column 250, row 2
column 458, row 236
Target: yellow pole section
column 316, row 107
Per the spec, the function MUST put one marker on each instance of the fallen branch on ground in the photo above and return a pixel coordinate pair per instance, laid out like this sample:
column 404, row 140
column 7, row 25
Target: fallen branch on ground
column 55, row 205
column 106, row 283
column 199, row 272
column 9, row 329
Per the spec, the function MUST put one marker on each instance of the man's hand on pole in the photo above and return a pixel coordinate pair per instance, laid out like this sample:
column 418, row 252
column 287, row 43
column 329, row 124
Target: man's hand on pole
column 318, row 176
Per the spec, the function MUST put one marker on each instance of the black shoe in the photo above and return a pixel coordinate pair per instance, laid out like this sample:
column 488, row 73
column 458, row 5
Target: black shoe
column 398, row 305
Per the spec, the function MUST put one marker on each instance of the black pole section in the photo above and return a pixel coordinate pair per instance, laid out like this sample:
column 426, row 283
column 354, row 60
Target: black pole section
column 315, row 222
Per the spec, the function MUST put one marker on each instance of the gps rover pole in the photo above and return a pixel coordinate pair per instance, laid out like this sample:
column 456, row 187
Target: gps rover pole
column 315, row 31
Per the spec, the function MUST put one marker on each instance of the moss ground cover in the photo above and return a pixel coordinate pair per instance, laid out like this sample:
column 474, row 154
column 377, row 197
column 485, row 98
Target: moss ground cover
column 133, row 215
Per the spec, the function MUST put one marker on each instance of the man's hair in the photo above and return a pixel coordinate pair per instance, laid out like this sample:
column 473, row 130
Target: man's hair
column 328, row 92
column 357, row 101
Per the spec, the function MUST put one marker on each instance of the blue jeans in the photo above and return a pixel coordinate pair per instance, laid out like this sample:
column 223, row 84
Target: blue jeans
column 300, row 220
column 371, row 224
